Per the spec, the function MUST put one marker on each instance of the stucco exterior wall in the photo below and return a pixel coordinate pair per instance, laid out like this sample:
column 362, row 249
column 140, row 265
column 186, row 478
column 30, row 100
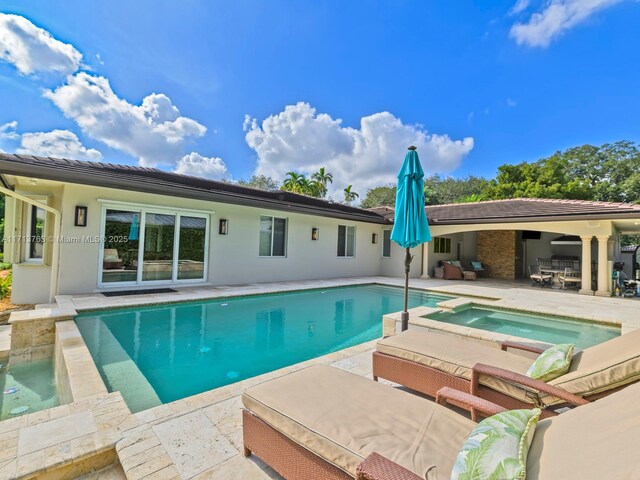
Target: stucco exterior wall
column 233, row 258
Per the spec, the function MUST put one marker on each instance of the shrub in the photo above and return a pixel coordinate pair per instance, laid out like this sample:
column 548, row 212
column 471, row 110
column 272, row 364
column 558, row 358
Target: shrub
column 5, row 286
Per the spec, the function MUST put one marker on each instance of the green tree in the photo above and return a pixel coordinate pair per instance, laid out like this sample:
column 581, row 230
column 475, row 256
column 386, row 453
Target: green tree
column 380, row 197
column 262, row 182
column 322, row 178
column 298, row 183
column 439, row 190
column 349, row 195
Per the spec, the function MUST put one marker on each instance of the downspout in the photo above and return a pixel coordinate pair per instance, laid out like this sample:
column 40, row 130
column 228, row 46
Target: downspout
column 57, row 226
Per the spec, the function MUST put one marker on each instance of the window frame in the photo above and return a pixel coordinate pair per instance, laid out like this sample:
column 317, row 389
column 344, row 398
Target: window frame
column 442, row 245
column 142, row 210
column 346, row 237
column 27, row 252
column 273, row 232
column 388, row 239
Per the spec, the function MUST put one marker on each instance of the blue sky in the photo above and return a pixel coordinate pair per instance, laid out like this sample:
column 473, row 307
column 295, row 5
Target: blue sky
column 460, row 79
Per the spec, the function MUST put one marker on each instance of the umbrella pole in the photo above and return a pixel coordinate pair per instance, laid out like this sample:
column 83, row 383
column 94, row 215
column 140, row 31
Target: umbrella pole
column 405, row 312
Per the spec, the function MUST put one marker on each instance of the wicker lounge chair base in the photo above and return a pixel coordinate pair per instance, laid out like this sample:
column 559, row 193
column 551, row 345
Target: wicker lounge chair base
column 428, row 381
column 295, row 462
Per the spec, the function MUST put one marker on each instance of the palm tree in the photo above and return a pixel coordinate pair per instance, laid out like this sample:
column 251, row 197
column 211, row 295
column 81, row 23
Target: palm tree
column 349, row 195
column 293, row 182
column 323, row 178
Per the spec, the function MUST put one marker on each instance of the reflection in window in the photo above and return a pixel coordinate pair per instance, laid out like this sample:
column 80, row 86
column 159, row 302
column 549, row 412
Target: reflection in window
column 273, row 237
column 120, row 256
column 35, row 236
column 191, row 248
column 346, row 241
column 159, row 233
column 386, row 243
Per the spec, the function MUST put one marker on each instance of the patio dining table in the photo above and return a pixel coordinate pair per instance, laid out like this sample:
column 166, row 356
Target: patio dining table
column 556, row 272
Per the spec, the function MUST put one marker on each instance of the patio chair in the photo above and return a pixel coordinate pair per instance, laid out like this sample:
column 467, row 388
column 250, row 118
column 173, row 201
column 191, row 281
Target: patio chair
column 570, row 278
column 428, row 361
column 111, row 259
column 452, row 270
column 330, row 424
column 538, row 278
column 478, row 267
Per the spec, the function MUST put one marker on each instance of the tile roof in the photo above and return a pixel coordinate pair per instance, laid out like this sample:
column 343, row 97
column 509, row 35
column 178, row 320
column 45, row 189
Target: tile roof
column 152, row 180
column 521, row 209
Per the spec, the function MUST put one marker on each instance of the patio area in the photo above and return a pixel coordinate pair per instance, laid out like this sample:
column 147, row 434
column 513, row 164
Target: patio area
column 201, row 436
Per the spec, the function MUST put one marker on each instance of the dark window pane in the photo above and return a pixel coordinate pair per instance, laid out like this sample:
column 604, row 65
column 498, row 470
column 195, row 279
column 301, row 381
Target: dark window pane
column 386, row 243
column 279, row 236
column 36, row 232
column 159, row 230
column 342, row 238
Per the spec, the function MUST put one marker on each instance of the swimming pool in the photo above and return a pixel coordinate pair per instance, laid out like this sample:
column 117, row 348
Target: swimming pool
column 158, row 354
column 27, row 388
column 536, row 327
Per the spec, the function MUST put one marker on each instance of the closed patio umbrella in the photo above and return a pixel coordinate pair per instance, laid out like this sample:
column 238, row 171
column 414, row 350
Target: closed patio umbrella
column 410, row 227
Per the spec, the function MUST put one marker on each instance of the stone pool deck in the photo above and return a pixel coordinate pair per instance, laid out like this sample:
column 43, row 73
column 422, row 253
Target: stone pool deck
column 200, row 436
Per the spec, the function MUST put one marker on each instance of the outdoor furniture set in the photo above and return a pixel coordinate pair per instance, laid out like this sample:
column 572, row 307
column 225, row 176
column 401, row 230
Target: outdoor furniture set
column 453, row 270
column 323, row 422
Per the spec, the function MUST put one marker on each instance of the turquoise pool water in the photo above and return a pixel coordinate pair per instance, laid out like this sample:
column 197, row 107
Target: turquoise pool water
column 535, row 327
column 27, row 388
column 158, row 354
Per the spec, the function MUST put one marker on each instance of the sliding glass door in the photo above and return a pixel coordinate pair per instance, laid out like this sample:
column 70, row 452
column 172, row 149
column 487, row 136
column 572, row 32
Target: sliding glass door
column 142, row 246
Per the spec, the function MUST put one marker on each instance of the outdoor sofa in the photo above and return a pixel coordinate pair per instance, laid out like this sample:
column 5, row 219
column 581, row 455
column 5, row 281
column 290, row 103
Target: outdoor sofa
column 428, row 361
column 329, row 424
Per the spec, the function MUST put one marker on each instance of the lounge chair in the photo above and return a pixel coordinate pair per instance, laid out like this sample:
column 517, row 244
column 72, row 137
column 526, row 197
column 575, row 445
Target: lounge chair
column 329, row 424
column 452, row 270
column 538, row 278
column 478, row 268
column 428, row 361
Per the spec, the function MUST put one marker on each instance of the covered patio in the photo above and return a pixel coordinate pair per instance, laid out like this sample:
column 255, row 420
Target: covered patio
column 512, row 237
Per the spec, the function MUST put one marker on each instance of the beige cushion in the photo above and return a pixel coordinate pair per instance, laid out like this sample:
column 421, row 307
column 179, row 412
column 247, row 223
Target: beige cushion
column 457, row 356
column 598, row 441
column 343, row 418
column 603, row 367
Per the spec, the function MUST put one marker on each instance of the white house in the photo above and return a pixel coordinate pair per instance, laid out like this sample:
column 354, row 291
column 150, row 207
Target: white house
column 76, row 227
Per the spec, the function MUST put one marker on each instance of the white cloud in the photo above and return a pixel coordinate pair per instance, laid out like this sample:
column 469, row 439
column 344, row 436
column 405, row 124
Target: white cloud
column 8, row 131
column 56, row 143
column 31, row 49
column 511, row 102
column 197, row 165
column 153, row 131
column 519, row 7
column 556, row 17
column 299, row 139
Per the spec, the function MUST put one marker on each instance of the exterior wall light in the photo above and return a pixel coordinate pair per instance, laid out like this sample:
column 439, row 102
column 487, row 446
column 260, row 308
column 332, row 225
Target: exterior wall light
column 374, row 238
column 315, row 233
column 224, row 226
column 80, row 219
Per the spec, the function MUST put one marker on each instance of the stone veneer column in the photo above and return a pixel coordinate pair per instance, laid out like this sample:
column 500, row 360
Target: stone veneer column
column 425, row 260
column 586, row 265
column 604, row 282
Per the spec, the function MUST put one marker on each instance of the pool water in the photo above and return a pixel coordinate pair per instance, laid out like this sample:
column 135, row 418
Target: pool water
column 158, row 354
column 536, row 327
column 27, row 388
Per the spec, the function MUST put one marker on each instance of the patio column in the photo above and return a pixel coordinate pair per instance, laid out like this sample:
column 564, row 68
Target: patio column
column 425, row 261
column 586, row 265
column 604, row 283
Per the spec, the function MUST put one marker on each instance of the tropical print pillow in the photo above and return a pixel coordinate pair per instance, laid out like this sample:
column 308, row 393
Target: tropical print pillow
column 552, row 363
column 497, row 448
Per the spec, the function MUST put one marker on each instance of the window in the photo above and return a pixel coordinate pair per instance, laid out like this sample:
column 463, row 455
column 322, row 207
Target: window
column 35, row 233
column 346, row 241
column 273, row 237
column 386, row 243
column 144, row 246
column 441, row 245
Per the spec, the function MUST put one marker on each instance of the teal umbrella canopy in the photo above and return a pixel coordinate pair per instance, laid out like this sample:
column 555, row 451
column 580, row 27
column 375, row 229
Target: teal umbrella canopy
column 410, row 227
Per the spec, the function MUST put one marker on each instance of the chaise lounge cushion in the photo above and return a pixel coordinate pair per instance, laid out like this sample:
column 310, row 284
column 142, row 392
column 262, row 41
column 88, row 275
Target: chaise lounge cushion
column 457, row 356
column 602, row 367
column 594, row 441
column 343, row 418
